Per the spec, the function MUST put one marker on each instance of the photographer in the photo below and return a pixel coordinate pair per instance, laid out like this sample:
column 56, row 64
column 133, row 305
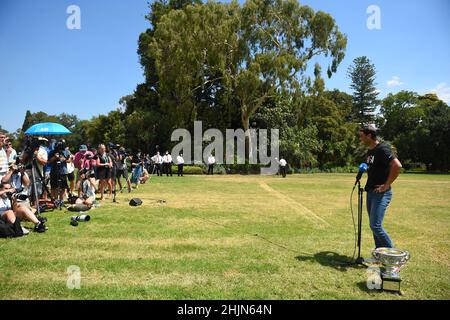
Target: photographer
column 58, row 170
column 137, row 166
column 104, row 165
column 9, row 209
column 88, row 187
column 36, row 152
column 113, row 154
column 122, row 169
column 18, row 179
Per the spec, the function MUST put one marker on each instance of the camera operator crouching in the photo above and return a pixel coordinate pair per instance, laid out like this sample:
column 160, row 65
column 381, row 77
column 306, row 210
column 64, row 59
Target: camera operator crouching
column 13, row 205
column 83, row 159
column 88, row 187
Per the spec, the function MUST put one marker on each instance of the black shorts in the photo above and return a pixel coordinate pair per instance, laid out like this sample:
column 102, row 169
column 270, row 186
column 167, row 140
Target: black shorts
column 58, row 181
column 103, row 173
column 71, row 176
column 122, row 173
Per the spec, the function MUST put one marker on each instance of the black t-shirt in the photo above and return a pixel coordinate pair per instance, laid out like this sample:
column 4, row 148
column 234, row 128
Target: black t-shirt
column 378, row 160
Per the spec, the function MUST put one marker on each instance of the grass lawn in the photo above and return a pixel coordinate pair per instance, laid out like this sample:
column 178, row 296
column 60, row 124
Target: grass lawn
column 233, row 237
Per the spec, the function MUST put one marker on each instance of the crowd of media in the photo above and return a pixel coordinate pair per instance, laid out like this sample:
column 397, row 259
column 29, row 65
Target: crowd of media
column 46, row 173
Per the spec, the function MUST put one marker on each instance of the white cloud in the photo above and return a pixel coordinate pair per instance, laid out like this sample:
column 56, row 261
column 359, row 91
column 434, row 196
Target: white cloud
column 394, row 82
column 442, row 90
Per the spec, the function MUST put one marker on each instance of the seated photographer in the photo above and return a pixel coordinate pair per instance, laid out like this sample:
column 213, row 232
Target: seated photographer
column 9, row 209
column 18, row 179
column 144, row 177
column 88, row 187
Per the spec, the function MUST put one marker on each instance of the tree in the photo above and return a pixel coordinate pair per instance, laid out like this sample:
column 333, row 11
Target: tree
column 245, row 54
column 27, row 122
column 363, row 73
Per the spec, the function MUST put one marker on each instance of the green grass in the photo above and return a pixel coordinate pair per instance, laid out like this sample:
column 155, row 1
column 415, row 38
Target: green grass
column 202, row 243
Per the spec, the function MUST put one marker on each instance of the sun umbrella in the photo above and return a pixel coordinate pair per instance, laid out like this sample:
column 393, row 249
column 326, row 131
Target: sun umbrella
column 47, row 128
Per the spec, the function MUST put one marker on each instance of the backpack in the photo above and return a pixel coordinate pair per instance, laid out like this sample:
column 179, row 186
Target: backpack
column 10, row 230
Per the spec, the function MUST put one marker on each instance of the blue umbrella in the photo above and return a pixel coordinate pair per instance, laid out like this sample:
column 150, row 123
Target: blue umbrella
column 47, row 128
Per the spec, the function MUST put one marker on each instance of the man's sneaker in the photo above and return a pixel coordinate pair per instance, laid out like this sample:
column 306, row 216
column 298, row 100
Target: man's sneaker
column 40, row 228
column 25, row 231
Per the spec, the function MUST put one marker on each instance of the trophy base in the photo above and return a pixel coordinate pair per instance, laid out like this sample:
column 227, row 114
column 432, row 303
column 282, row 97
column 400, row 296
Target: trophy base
column 391, row 284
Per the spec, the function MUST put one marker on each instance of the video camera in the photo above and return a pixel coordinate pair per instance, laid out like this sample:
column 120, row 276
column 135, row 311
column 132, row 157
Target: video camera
column 31, row 144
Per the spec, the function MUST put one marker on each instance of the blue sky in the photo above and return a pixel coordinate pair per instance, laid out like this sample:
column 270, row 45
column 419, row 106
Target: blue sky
column 46, row 67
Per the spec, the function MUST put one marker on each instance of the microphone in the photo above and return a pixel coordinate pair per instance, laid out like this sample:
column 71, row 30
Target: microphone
column 362, row 168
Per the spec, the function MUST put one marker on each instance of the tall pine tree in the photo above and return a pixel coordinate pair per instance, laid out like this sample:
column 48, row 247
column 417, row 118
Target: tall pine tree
column 365, row 95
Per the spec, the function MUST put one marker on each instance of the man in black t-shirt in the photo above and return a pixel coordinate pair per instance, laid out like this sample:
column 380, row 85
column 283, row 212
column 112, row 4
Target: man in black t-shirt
column 383, row 169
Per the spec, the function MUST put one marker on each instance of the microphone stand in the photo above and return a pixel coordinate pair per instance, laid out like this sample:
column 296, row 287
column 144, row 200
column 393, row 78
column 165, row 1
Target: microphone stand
column 359, row 260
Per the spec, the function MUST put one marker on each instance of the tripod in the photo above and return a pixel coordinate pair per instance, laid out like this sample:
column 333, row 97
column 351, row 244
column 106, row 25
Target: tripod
column 35, row 171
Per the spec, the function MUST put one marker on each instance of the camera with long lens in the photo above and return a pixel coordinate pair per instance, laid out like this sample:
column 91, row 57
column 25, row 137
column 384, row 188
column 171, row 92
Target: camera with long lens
column 14, row 196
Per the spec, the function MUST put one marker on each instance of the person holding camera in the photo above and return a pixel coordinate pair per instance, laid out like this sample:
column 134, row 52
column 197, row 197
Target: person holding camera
column 122, row 169
column 58, row 170
column 40, row 156
column 10, row 210
column 104, row 165
column 18, row 179
column 137, row 167
column 88, row 187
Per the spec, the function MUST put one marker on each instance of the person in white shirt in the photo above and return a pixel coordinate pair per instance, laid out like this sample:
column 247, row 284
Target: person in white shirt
column 157, row 161
column 180, row 164
column 9, row 210
column 167, row 163
column 10, row 152
column 211, row 162
column 3, row 156
column 283, row 165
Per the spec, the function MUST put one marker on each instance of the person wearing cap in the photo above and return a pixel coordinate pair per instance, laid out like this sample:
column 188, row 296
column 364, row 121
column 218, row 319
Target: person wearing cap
column 383, row 170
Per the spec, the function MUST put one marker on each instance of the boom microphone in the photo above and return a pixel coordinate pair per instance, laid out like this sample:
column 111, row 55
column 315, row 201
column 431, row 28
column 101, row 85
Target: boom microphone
column 362, row 168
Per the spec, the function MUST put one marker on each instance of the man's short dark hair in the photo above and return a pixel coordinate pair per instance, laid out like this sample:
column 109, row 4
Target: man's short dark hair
column 370, row 129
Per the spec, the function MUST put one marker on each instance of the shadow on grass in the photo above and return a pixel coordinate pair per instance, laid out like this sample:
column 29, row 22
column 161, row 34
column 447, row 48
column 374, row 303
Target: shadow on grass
column 330, row 259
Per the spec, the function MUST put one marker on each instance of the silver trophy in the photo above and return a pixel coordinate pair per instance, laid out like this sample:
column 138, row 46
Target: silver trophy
column 392, row 260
